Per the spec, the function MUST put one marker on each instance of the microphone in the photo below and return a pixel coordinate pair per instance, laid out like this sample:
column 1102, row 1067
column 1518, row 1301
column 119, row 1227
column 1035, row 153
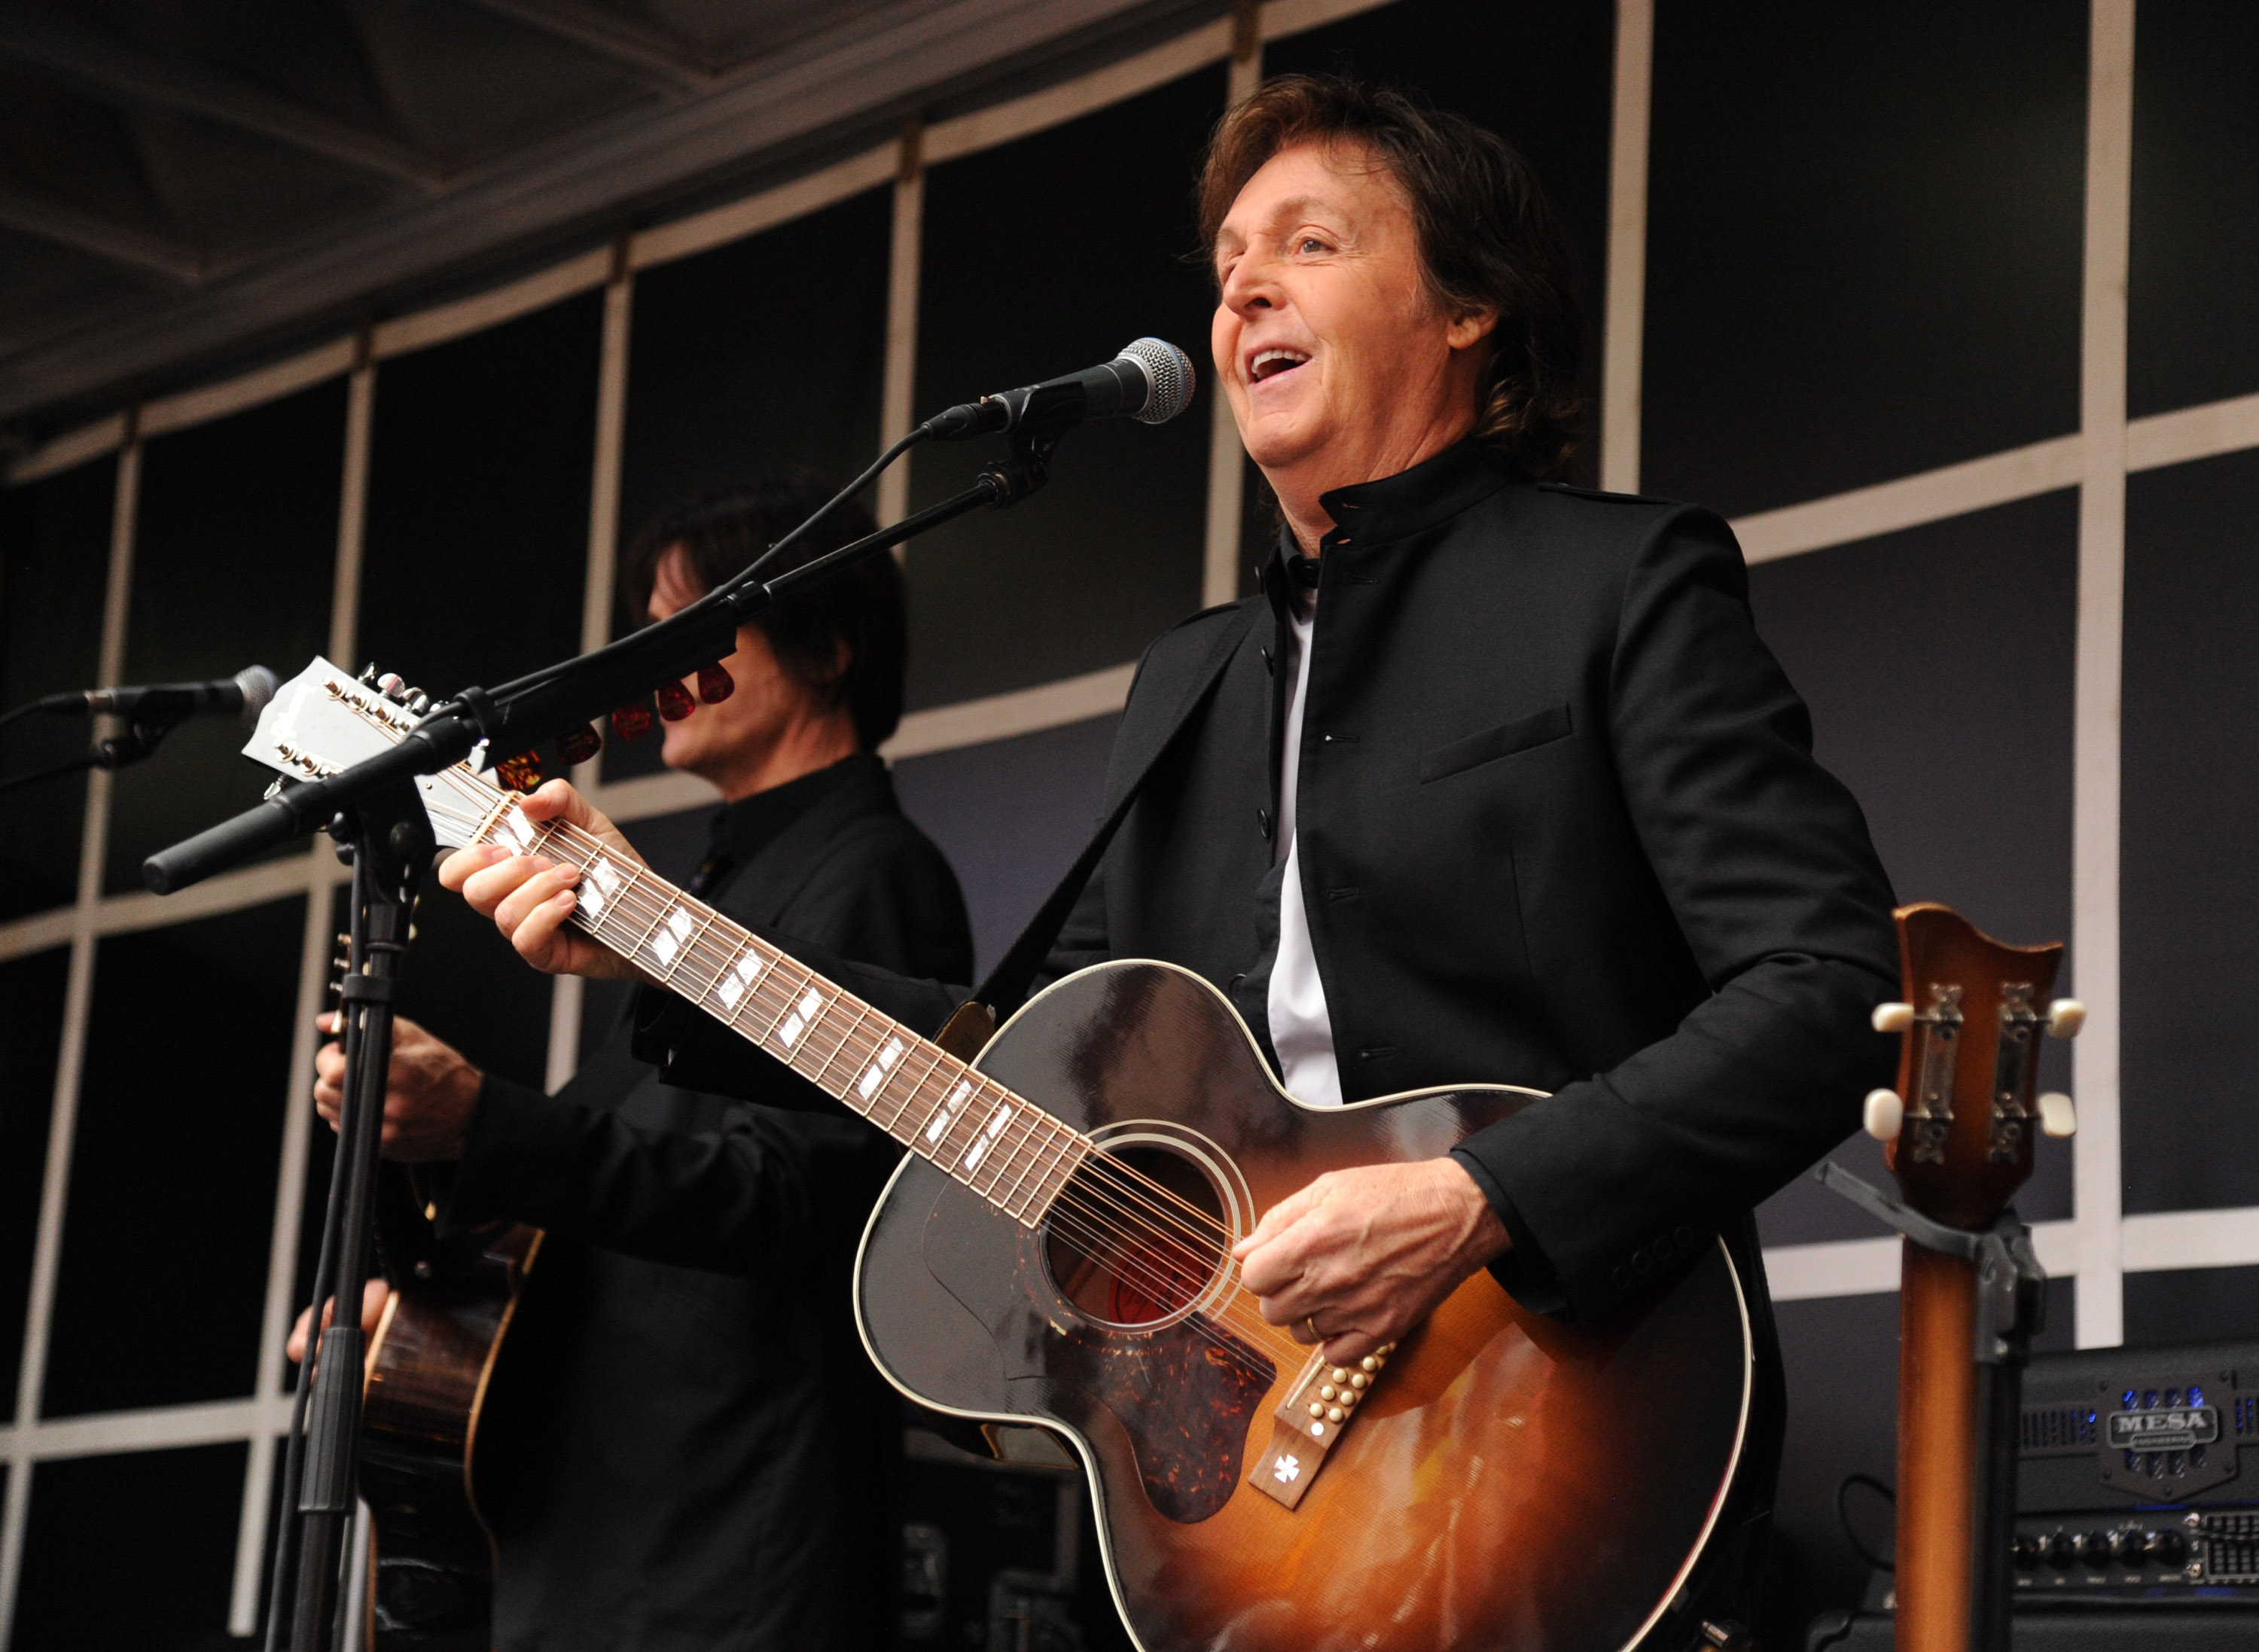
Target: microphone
column 246, row 692
column 1151, row 382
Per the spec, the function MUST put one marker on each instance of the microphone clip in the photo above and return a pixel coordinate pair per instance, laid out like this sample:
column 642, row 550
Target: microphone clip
column 1010, row 480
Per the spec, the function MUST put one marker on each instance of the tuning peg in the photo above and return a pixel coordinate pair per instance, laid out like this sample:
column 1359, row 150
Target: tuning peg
column 715, row 685
column 1892, row 1018
column 674, row 702
column 2065, row 1017
column 1884, row 1114
column 418, row 702
column 392, row 685
column 368, row 674
column 2057, row 1115
column 633, row 721
column 579, row 745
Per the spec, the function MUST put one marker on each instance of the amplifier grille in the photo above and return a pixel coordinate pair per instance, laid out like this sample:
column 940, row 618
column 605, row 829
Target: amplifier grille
column 2054, row 1427
column 2247, row 1415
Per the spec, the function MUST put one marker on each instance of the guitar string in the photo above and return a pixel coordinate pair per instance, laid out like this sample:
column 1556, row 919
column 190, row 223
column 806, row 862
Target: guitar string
column 1179, row 1262
column 1180, row 1255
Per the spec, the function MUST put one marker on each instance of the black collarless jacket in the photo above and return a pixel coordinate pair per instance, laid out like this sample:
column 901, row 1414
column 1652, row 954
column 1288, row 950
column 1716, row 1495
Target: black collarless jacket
column 685, row 1447
column 1560, row 826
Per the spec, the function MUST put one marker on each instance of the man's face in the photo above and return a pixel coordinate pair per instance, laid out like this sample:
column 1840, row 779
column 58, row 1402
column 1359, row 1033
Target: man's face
column 717, row 741
column 1325, row 338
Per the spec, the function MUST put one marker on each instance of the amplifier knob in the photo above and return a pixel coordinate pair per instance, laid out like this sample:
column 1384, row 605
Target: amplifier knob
column 2026, row 1552
column 2094, row 1549
column 2131, row 1547
column 2169, row 1548
column 2062, row 1551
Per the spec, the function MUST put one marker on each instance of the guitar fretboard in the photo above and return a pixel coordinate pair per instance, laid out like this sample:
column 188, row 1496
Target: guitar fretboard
column 1014, row 1155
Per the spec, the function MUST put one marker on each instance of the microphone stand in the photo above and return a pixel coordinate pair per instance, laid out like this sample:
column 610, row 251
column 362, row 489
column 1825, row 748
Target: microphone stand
column 138, row 739
column 378, row 818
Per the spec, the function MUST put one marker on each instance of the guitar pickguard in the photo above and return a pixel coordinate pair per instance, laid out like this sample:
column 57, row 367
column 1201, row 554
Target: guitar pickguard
column 1184, row 1396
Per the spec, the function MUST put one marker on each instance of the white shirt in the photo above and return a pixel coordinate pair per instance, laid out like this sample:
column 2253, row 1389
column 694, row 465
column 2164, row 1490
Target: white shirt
column 1301, row 1031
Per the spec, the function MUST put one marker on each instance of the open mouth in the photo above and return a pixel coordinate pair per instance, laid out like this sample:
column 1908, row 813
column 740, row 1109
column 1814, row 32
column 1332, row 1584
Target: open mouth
column 1269, row 364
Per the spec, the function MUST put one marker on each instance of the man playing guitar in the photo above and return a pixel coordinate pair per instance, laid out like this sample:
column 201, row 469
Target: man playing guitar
column 684, row 1445
column 1498, row 783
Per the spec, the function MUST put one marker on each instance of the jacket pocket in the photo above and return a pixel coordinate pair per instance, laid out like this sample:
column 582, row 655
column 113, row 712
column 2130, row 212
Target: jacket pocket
column 1493, row 744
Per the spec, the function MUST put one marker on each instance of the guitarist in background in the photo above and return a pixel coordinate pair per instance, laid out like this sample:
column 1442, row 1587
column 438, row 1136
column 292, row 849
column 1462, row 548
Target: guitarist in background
column 1492, row 782
column 685, row 1446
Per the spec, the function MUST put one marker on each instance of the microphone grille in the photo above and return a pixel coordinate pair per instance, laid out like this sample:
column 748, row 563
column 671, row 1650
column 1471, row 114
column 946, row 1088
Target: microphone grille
column 1168, row 376
column 258, row 685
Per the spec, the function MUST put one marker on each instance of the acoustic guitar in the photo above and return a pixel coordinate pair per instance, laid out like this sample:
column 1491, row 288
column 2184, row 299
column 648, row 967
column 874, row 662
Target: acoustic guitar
column 424, row 1392
column 1054, row 1250
column 1959, row 1128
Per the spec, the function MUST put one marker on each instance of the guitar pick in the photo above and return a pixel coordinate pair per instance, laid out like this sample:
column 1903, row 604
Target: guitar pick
column 633, row 721
column 715, row 685
column 579, row 745
column 522, row 772
column 674, row 702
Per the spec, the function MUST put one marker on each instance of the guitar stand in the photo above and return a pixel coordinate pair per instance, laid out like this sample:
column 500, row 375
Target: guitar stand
column 2011, row 1305
column 389, row 841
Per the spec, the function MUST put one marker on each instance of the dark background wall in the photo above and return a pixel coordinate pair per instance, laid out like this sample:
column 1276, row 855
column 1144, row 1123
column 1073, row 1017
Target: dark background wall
column 1864, row 244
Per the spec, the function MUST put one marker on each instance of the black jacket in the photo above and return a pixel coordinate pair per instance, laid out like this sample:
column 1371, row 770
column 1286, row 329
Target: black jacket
column 1561, row 827
column 686, row 1447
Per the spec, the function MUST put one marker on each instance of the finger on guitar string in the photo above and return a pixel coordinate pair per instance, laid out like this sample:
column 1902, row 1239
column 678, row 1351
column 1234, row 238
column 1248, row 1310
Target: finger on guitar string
column 1372, row 1251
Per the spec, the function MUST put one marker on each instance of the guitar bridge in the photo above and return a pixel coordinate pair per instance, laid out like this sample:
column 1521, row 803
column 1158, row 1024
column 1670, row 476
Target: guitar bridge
column 1307, row 1422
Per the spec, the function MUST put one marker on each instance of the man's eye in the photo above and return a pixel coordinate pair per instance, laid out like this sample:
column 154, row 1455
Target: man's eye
column 1310, row 244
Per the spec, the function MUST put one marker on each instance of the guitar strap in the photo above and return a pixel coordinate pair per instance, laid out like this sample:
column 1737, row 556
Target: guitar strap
column 1005, row 989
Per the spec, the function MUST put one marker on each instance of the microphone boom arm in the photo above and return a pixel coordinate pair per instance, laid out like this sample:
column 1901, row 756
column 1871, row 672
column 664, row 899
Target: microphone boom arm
column 563, row 696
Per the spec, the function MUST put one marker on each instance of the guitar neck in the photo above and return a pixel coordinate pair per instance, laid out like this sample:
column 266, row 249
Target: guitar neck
column 1014, row 1155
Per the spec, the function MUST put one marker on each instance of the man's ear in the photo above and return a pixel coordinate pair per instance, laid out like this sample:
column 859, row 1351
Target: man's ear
column 1465, row 331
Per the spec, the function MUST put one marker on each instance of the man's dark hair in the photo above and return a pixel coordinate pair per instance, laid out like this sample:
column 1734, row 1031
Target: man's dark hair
column 1488, row 239
column 845, row 636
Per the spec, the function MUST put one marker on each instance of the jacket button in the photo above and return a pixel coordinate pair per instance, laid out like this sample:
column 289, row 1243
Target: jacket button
column 1263, row 821
column 1270, row 666
column 1642, row 1262
column 1686, row 1236
column 1620, row 1278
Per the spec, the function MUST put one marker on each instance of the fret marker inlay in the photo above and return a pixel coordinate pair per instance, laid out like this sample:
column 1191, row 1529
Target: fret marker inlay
column 875, row 1074
column 796, row 1023
column 947, row 1116
column 672, row 934
column 986, row 1139
column 734, row 984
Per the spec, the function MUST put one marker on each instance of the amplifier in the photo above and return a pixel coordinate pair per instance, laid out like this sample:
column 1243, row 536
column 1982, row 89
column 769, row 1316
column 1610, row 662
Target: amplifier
column 2138, row 1476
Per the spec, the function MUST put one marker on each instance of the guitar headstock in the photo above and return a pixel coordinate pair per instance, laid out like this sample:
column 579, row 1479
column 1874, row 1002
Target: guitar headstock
column 1959, row 1125
column 325, row 719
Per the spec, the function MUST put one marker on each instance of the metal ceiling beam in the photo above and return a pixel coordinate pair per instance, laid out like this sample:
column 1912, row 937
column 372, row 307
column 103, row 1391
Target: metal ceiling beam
column 867, row 69
column 114, row 71
column 104, row 238
column 646, row 55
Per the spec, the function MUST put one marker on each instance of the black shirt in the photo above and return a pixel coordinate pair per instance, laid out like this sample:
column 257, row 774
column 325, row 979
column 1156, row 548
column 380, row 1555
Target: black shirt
column 685, row 1447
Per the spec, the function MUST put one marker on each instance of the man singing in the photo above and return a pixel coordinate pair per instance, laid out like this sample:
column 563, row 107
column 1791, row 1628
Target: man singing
column 685, row 1447
column 1499, row 785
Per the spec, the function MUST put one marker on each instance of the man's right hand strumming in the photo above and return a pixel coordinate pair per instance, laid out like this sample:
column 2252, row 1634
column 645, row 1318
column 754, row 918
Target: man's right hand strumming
column 531, row 896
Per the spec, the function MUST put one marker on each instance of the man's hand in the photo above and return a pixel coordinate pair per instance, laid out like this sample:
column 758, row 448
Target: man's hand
column 373, row 1293
column 429, row 1092
column 529, row 896
column 1365, row 1255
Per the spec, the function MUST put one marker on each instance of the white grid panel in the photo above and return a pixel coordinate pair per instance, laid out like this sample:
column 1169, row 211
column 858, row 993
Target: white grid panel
column 2096, row 1246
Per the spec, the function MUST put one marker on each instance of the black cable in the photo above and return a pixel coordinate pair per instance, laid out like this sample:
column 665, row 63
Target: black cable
column 1844, row 1518
column 7, row 717
column 535, row 679
column 92, row 760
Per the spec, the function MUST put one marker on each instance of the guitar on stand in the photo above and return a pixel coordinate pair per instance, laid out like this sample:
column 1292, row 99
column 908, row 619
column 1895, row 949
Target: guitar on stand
column 1959, row 1131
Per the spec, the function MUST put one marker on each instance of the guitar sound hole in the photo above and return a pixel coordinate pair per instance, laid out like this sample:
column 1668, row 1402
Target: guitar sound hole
column 1138, row 1236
